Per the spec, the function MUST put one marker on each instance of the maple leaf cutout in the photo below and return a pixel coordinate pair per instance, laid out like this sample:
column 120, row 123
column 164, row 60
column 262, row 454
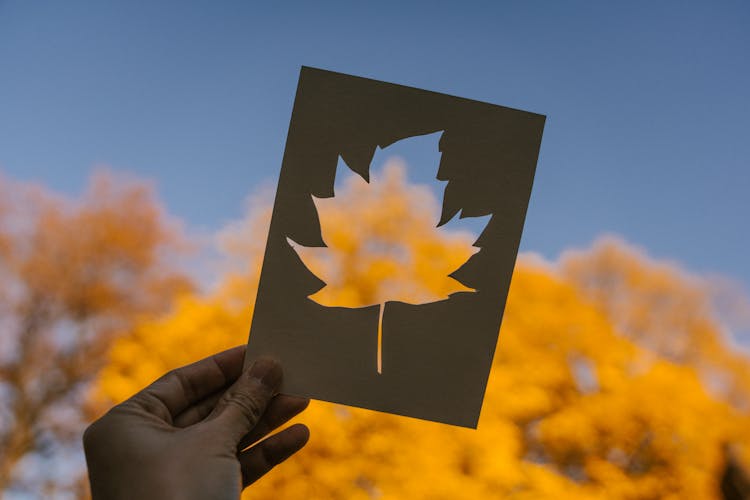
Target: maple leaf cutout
column 382, row 245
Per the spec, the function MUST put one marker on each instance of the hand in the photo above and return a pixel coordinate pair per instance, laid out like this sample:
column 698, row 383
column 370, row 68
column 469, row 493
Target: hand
column 185, row 436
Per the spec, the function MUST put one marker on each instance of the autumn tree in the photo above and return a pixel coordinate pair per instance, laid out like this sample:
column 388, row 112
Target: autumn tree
column 393, row 251
column 74, row 275
column 577, row 406
column 660, row 307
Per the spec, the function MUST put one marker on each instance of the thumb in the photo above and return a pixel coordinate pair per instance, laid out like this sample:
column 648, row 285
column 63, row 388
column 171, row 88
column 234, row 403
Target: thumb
column 243, row 404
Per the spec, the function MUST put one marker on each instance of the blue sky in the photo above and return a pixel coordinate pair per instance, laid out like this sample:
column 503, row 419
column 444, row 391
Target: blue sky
column 647, row 133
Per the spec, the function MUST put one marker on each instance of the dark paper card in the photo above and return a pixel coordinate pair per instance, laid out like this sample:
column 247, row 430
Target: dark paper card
column 428, row 360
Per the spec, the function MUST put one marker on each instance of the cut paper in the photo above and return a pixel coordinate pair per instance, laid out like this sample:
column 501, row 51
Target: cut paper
column 430, row 358
column 382, row 295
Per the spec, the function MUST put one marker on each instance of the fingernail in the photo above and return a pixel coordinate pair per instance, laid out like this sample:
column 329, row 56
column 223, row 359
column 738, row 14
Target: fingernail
column 267, row 371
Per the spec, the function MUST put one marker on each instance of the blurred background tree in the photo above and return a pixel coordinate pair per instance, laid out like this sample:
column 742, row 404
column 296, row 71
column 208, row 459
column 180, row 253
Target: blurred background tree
column 74, row 275
column 613, row 377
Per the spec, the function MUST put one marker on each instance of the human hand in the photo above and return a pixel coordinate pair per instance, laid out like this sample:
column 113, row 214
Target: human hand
column 185, row 436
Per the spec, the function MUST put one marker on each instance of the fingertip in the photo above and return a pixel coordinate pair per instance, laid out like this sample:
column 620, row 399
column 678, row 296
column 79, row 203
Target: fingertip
column 280, row 410
column 261, row 458
column 231, row 362
column 289, row 441
column 300, row 432
column 242, row 406
column 293, row 404
column 268, row 371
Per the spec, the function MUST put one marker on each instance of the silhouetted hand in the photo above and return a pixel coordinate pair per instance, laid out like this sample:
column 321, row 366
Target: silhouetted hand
column 184, row 436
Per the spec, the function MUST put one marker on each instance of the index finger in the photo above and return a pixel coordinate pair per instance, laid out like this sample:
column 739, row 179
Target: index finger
column 179, row 389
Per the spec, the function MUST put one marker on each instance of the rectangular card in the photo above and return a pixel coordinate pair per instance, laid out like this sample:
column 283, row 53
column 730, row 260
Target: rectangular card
column 426, row 360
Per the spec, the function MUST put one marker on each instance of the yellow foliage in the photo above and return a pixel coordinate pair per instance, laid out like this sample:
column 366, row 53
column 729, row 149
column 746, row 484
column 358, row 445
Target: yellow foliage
column 573, row 409
column 73, row 275
column 659, row 306
column 373, row 256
